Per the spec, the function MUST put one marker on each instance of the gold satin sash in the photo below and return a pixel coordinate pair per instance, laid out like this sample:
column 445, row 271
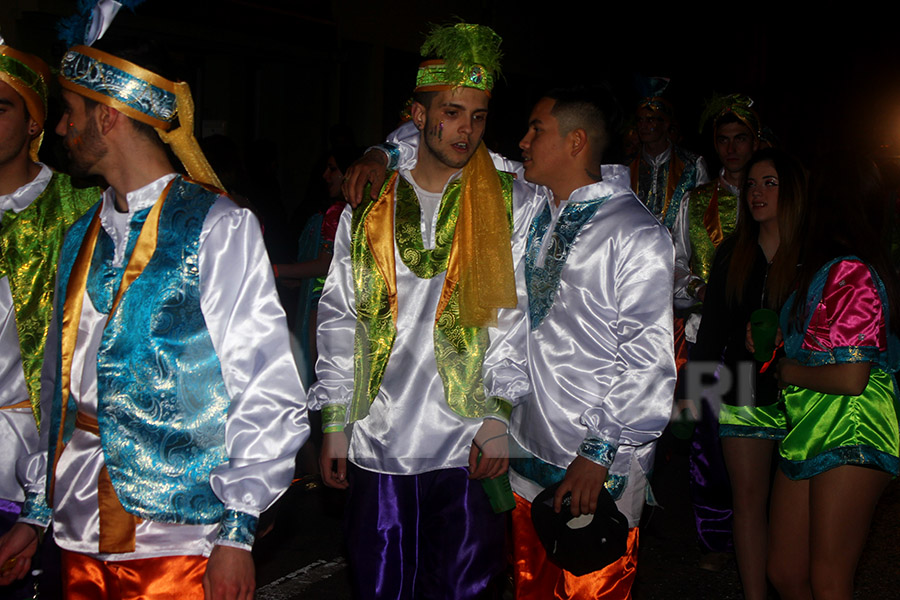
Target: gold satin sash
column 481, row 261
column 116, row 525
column 676, row 168
column 22, row 404
column 711, row 220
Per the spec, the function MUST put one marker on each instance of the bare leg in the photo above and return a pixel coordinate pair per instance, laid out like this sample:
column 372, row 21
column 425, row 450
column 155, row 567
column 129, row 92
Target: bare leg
column 749, row 463
column 788, row 550
column 842, row 501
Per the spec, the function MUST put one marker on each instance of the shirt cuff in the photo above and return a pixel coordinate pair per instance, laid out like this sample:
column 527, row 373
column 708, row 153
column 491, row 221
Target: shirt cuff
column 598, row 451
column 496, row 407
column 35, row 510
column 334, row 417
column 393, row 154
column 238, row 529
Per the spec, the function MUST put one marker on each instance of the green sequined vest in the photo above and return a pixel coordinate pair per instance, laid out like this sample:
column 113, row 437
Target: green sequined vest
column 702, row 248
column 29, row 249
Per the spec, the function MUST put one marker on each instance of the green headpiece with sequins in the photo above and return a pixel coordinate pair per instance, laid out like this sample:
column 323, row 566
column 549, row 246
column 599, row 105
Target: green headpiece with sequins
column 738, row 105
column 468, row 55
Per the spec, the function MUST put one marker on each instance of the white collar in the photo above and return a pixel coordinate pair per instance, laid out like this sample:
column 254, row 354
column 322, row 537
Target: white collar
column 22, row 198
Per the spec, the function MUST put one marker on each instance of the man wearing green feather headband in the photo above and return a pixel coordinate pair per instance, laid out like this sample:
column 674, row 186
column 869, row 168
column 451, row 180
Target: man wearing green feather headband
column 409, row 311
column 37, row 206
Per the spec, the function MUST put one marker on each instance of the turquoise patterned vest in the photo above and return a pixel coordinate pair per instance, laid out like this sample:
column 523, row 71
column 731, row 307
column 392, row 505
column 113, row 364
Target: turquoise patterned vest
column 162, row 403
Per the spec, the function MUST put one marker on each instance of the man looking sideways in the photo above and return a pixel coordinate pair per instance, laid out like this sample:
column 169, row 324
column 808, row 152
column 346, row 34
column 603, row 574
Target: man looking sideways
column 173, row 409
column 597, row 339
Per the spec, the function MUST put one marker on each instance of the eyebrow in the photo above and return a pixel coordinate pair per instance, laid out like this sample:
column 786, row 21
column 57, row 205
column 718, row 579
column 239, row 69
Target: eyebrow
column 461, row 107
column 6, row 102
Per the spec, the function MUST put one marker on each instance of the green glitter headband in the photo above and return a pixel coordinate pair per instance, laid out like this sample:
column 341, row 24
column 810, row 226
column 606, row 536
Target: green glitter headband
column 468, row 55
column 738, row 105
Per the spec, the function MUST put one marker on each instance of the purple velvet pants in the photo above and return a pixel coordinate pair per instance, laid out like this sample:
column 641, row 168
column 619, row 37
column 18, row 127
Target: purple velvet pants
column 431, row 535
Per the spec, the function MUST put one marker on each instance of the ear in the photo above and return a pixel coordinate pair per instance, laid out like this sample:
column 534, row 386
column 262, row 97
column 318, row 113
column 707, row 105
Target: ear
column 577, row 141
column 107, row 118
column 33, row 127
column 418, row 111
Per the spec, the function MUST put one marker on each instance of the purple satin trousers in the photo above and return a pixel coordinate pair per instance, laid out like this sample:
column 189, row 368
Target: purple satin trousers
column 426, row 536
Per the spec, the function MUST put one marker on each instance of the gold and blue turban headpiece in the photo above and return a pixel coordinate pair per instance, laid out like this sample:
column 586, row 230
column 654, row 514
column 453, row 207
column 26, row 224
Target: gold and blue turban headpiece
column 28, row 75
column 136, row 92
column 143, row 96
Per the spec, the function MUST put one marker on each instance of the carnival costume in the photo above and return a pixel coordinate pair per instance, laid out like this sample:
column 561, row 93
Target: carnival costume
column 33, row 221
column 401, row 344
column 176, row 410
column 845, row 321
column 661, row 181
column 600, row 386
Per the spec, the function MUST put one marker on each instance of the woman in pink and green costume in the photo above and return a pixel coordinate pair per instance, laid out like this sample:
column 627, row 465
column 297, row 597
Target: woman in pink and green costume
column 839, row 392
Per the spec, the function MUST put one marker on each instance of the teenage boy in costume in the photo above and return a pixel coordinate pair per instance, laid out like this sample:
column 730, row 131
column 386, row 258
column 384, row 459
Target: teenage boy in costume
column 408, row 312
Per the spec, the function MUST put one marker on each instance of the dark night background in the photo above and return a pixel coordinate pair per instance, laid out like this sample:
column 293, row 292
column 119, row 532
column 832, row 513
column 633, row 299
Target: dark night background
column 276, row 75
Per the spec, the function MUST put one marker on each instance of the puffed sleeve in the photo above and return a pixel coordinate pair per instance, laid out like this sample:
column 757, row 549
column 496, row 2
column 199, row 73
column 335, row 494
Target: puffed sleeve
column 505, row 365
column 267, row 420
column 335, row 335
column 685, row 281
column 31, row 469
column 848, row 322
column 637, row 404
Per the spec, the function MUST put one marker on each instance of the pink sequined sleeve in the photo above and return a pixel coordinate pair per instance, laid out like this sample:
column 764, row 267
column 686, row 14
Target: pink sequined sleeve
column 850, row 312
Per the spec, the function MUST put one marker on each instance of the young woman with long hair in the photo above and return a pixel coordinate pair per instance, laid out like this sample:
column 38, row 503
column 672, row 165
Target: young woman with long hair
column 753, row 269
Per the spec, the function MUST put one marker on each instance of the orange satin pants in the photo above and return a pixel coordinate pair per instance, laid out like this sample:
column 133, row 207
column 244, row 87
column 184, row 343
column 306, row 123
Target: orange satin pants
column 539, row 579
column 162, row 578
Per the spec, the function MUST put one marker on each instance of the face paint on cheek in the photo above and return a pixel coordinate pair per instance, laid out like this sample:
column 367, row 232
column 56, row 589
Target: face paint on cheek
column 441, row 132
column 73, row 136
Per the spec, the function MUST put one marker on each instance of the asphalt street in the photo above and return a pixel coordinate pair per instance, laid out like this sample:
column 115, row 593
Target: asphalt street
column 302, row 557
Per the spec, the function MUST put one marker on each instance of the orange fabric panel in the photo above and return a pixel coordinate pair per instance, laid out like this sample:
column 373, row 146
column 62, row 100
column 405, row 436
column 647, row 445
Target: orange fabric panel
column 539, row 579
column 163, row 578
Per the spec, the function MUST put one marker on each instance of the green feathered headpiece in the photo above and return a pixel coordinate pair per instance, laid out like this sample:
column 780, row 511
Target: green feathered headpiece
column 468, row 55
column 738, row 105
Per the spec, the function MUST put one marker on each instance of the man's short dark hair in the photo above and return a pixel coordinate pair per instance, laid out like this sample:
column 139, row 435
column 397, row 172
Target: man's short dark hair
column 593, row 109
column 726, row 119
column 424, row 98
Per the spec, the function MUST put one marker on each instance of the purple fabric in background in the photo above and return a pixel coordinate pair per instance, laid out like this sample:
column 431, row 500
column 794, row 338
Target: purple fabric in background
column 9, row 513
column 431, row 535
column 709, row 485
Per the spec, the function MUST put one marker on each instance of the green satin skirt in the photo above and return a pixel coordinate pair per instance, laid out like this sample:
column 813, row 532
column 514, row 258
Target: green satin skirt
column 758, row 422
column 826, row 431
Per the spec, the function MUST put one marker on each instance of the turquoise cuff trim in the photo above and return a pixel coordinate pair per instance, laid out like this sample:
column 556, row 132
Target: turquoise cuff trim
column 598, row 451
column 545, row 475
column 35, row 509
column 759, row 433
column 865, row 456
column 542, row 473
column 238, row 528
column 393, row 154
